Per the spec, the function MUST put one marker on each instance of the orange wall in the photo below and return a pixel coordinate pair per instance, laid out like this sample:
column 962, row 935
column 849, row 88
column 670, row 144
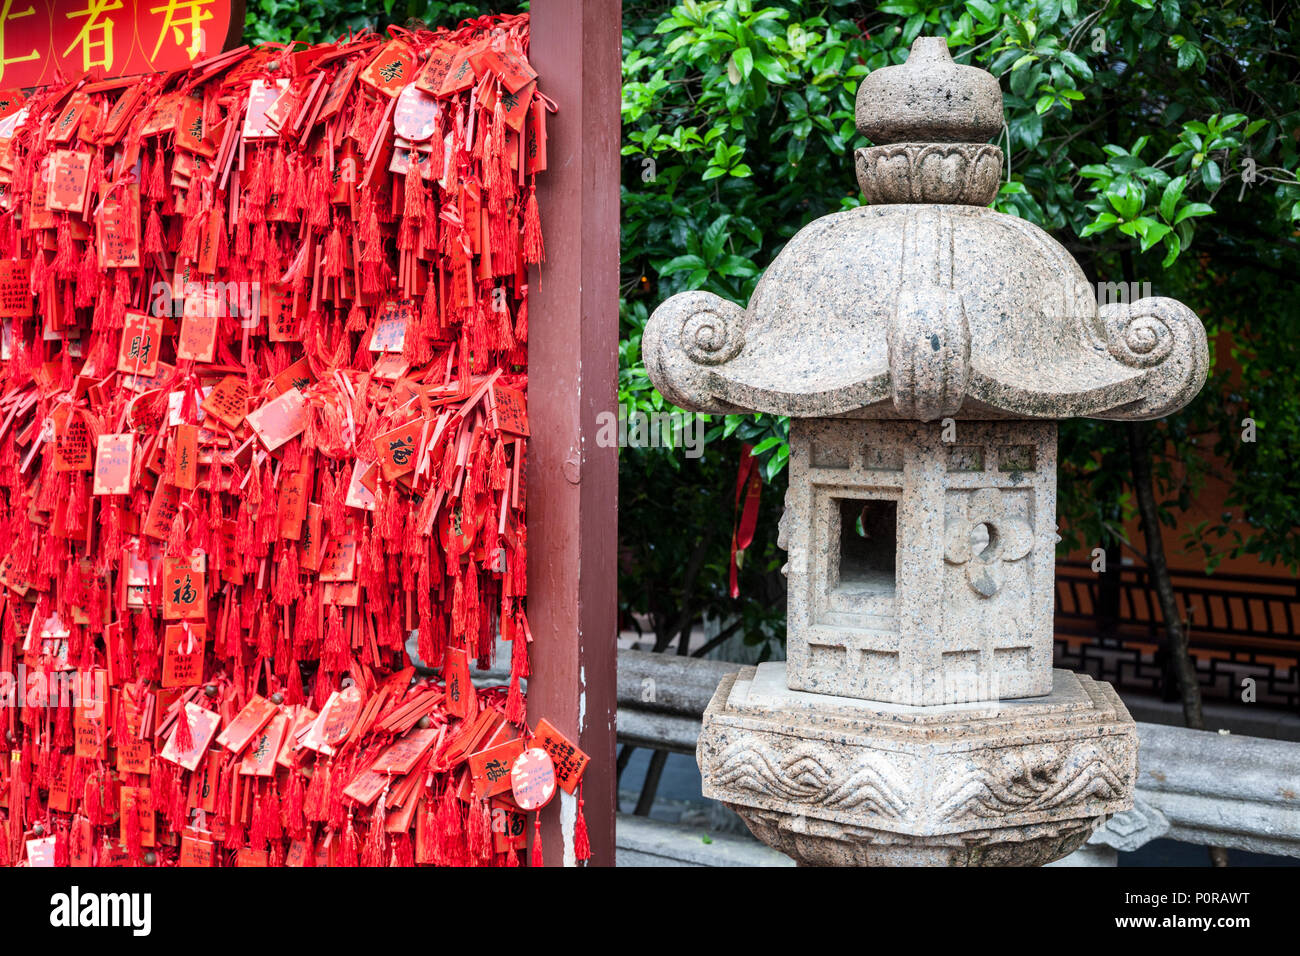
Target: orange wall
column 1207, row 505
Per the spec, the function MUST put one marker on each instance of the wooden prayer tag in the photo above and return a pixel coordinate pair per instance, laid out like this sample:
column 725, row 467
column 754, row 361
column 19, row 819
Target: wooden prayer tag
column 183, row 646
column 72, row 450
column 15, row 287
column 203, row 724
column 532, row 779
column 228, row 401
column 279, row 419
column 491, row 767
column 569, row 762
column 141, row 343
column 256, row 714
column 184, row 589
column 113, row 464
column 391, row 69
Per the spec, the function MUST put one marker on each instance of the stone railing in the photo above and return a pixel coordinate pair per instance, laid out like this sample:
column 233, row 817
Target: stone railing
column 1213, row 789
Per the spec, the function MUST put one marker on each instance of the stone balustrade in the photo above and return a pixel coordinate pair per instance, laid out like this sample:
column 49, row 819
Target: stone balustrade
column 1200, row 787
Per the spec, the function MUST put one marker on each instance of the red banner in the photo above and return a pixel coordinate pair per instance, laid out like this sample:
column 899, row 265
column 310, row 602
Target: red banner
column 45, row 41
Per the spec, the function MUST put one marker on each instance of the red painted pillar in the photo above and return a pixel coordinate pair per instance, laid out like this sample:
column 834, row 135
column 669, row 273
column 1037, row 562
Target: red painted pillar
column 576, row 47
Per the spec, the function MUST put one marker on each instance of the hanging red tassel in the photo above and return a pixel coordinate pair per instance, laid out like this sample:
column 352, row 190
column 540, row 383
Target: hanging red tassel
column 336, row 648
column 581, row 841
column 184, row 735
column 294, row 820
column 294, row 693
column 376, row 850
column 131, row 833
column 516, row 711
column 348, row 848
column 157, row 184
column 313, row 807
column 534, row 248
column 536, row 859
column 146, row 646
column 153, row 234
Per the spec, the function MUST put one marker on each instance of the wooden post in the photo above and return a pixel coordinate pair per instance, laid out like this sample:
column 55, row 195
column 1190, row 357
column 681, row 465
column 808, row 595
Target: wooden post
column 576, row 47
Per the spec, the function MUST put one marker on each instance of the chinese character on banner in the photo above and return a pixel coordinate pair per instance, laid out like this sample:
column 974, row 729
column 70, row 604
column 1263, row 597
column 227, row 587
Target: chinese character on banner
column 106, row 38
column 14, row 38
column 95, row 39
column 183, row 19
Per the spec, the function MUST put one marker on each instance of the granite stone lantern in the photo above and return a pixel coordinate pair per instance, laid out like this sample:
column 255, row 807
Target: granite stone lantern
column 923, row 346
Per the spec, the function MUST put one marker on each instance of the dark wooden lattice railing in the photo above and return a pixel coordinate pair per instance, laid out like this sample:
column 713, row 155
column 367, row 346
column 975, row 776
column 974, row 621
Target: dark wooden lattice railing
column 1240, row 626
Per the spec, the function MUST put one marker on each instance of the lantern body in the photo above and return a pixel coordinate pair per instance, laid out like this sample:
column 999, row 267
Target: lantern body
column 921, row 569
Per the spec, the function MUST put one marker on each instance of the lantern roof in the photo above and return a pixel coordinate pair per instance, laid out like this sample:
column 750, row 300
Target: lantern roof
column 925, row 303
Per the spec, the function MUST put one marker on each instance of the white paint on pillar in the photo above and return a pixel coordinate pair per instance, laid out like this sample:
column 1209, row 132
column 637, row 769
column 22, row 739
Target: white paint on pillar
column 568, row 826
column 582, row 697
column 569, row 801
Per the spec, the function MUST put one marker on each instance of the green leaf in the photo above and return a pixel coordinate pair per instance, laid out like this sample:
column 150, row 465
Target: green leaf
column 1193, row 209
column 1173, row 193
column 1125, row 197
column 1030, row 130
column 715, row 237
column 912, row 28
column 737, row 266
column 1076, row 63
column 1153, row 233
column 1101, row 224
column 680, row 264
column 771, row 70
column 1174, row 245
column 1210, row 174
column 743, row 57
column 984, row 11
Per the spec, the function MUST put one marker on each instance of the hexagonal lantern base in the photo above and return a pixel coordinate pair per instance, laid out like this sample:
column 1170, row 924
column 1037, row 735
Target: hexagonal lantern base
column 835, row 781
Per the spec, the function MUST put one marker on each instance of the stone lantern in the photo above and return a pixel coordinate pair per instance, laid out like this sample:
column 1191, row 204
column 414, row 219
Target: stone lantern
column 923, row 346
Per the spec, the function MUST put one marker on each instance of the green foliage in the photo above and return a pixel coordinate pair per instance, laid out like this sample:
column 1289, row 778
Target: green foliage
column 1156, row 139
column 736, row 108
column 675, row 526
column 283, row 21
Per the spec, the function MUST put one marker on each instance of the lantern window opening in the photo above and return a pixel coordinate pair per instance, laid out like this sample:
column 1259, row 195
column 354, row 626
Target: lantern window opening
column 868, row 552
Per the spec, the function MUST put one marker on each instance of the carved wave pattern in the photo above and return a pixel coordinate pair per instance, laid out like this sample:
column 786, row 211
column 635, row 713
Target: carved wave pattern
column 815, row 781
column 1026, row 785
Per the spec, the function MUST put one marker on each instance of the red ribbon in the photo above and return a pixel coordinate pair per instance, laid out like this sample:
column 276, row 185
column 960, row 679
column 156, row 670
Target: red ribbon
column 749, row 485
